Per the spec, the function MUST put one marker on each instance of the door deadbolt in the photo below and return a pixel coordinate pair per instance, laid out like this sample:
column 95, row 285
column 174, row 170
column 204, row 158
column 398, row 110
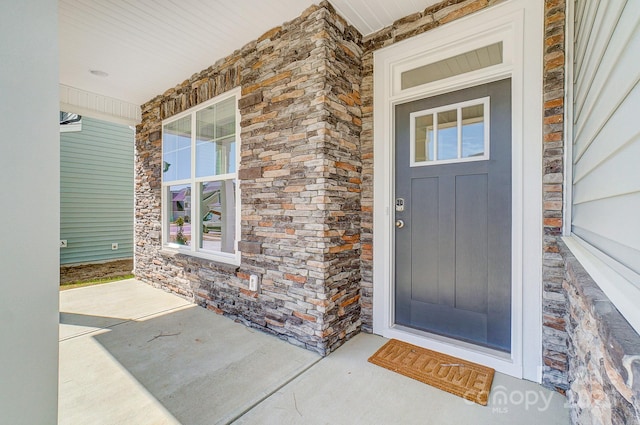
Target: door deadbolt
column 399, row 224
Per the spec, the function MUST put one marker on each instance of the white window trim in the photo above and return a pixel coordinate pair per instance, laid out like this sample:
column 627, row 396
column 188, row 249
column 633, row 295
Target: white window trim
column 194, row 250
column 458, row 107
column 613, row 278
column 71, row 128
column 519, row 24
column 567, row 201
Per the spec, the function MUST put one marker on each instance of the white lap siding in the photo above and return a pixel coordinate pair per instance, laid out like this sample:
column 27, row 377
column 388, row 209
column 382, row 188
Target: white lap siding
column 606, row 145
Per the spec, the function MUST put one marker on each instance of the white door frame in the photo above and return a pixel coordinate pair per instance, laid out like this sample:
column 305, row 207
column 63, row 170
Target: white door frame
column 519, row 25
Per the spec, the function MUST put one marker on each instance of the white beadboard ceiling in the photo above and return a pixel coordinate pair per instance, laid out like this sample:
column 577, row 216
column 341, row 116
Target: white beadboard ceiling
column 148, row 46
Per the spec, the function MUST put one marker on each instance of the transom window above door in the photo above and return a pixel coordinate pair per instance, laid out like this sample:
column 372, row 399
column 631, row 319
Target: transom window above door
column 452, row 133
column 473, row 60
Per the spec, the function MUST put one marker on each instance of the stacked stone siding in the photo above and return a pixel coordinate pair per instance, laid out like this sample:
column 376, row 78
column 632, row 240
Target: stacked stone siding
column 306, row 178
column 300, row 178
column 554, row 301
column 604, row 354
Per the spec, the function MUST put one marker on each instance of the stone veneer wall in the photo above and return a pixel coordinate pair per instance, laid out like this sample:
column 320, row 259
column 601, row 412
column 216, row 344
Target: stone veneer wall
column 307, row 180
column 554, row 299
column 604, row 353
column 300, row 179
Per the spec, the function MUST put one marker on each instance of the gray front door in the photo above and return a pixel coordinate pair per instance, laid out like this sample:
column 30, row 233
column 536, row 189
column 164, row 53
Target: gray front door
column 453, row 215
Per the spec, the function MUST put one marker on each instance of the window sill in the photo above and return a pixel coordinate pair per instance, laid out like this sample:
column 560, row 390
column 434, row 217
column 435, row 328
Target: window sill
column 223, row 260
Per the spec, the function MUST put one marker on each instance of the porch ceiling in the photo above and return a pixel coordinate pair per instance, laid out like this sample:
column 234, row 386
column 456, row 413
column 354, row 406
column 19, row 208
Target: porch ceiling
column 148, row 46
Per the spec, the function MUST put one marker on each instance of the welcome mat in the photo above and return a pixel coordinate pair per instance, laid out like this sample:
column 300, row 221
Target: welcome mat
column 456, row 376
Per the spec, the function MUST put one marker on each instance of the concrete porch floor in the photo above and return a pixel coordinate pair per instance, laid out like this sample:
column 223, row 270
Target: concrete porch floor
column 133, row 354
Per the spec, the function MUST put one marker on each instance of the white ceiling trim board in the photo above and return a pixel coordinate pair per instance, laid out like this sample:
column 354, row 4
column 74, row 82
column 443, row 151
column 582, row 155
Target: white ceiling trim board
column 94, row 105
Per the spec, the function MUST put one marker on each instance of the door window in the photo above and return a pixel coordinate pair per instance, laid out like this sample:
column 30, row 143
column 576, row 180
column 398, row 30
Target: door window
column 451, row 133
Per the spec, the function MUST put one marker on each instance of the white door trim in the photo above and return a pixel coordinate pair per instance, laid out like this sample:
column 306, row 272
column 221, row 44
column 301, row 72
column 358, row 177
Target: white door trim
column 519, row 24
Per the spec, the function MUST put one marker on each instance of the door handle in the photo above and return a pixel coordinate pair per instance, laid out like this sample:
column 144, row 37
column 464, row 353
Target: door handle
column 399, row 224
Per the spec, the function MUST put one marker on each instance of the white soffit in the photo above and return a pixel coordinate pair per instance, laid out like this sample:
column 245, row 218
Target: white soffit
column 149, row 46
column 369, row 16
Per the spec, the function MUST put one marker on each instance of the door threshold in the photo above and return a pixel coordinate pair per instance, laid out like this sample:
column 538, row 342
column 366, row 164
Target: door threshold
column 499, row 360
column 455, row 342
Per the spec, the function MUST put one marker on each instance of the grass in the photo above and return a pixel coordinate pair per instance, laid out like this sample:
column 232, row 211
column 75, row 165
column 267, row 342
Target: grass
column 72, row 285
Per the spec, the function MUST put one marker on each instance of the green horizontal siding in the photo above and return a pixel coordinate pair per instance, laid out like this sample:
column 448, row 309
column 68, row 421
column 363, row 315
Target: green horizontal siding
column 96, row 192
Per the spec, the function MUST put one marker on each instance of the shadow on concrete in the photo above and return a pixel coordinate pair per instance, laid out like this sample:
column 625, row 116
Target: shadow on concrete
column 201, row 367
column 86, row 320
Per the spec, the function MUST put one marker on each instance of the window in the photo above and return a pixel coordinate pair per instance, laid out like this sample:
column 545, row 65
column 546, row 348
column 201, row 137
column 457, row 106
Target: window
column 200, row 153
column 452, row 133
column 474, row 60
column 70, row 122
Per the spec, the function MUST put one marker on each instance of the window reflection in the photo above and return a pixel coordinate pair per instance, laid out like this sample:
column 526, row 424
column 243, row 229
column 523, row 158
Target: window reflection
column 473, row 131
column 176, row 150
column 215, row 139
column 424, row 146
column 448, row 135
column 180, row 214
column 218, row 207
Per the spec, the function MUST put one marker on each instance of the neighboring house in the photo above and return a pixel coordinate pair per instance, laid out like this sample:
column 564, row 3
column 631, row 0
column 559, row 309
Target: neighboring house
column 415, row 182
column 96, row 193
